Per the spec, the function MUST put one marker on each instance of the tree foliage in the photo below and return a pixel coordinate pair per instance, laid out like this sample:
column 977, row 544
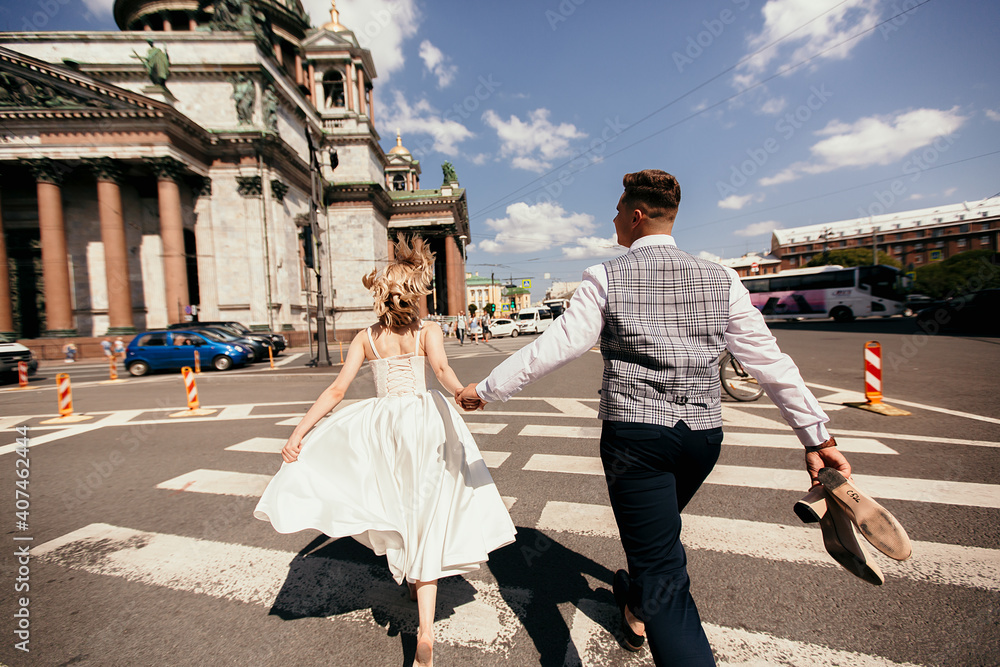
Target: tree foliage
column 852, row 257
column 959, row 274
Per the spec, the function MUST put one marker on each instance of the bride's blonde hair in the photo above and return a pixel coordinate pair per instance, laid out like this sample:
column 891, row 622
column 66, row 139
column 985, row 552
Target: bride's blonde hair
column 398, row 286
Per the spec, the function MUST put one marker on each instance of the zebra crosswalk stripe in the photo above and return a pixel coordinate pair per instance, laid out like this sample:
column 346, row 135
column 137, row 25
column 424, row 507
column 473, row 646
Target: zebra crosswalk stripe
column 969, row 494
column 484, row 620
column 932, row 562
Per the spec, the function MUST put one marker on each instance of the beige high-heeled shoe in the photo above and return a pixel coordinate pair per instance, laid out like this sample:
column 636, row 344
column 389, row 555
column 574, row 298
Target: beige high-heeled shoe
column 842, row 543
column 875, row 522
column 812, row 507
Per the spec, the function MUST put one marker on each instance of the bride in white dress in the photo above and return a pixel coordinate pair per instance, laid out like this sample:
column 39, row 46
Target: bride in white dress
column 401, row 472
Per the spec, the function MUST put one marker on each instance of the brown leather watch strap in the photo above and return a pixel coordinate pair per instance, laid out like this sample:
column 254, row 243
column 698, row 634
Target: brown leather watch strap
column 823, row 445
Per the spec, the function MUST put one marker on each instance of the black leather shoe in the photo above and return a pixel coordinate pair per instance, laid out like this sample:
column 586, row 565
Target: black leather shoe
column 620, row 586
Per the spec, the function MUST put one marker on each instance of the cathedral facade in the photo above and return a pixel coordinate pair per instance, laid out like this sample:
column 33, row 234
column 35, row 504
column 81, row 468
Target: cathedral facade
column 215, row 159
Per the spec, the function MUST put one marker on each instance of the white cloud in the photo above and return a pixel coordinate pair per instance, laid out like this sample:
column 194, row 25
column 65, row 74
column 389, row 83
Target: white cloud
column 423, row 119
column 528, row 227
column 759, row 228
column 774, row 106
column 533, row 145
column 704, row 254
column 593, row 246
column 437, row 64
column 993, row 115
column 736, row 202
column 807, row 34
column 380, row 25
column 100, row 7
column 875, row 140
column 950, row 191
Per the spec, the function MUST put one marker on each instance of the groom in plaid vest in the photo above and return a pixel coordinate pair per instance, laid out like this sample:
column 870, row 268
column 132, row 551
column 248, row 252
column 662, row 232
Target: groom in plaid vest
column 662, row 318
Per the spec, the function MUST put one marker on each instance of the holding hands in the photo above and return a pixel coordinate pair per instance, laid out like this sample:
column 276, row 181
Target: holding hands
column 469, row 399
column 290, row 452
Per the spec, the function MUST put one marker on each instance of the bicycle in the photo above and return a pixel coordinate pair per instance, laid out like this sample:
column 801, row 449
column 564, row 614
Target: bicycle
column 736, row 381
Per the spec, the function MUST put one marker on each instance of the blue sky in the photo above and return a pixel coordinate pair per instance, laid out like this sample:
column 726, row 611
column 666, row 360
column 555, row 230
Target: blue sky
column 771, row 114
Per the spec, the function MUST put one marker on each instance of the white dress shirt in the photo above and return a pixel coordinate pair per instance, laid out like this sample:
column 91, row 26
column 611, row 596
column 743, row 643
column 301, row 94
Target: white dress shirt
column 747, row 337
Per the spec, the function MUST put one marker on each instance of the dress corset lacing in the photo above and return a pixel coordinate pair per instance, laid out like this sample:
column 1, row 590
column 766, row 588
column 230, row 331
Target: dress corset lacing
column 399, row 375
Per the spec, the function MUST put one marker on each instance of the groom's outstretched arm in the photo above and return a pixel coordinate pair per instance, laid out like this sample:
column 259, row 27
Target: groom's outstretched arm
column 468, row 399
column 573, row 333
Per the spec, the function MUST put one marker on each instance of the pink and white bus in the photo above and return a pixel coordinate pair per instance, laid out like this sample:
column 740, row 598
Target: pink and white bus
column 828, row 291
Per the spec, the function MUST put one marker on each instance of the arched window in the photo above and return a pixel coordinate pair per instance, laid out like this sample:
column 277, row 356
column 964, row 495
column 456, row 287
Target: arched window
column 399, row 182
column 333, row 89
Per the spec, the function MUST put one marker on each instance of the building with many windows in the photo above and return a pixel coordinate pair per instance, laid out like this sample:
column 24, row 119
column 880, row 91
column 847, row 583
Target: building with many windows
column 171, row 168
column 914, row 238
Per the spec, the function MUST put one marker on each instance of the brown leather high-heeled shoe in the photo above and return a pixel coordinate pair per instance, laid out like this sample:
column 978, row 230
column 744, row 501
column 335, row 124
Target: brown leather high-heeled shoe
column 842, row 543
column 875, row 522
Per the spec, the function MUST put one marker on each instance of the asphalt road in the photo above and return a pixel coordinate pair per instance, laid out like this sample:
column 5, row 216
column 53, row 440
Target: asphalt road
column 145, row 551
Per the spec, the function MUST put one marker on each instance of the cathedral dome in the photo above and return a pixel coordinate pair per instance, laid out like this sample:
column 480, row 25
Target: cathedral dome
column 398, row 149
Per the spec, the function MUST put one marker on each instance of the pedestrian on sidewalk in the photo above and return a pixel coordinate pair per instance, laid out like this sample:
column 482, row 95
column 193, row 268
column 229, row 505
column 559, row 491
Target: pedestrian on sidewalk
column 474, row 330
column 662, row 317
column 69, row 349
column 119, row 348
column 460, row 323
column 106, row 347
column 401, row 472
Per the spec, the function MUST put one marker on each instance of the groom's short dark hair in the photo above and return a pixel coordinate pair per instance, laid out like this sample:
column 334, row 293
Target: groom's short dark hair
column 657, row 190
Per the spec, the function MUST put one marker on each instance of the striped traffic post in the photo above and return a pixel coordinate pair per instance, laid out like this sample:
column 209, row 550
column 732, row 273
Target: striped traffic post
column 64, row 389
column 873, row 384
column 22, row 374
column 64, row 392
column 191, row 391
column 270, row 355
column 191, row 388
column 113, row 370
column 873, row 371
column 197, row 362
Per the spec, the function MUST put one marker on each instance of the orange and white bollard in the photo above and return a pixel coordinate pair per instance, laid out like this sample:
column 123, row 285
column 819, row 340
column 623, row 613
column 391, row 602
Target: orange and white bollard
column 22, row 374
column 64, row 391
column 873, row 384
column 873, row 371
column 341, row 344
column 270, row 355
column 191, row 390
column 113, row 368
column 197, row 362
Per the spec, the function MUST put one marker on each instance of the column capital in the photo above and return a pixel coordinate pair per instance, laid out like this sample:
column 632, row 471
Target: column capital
column 46, row 170
column 278, row 189
column 166, row 168
column 105, row 169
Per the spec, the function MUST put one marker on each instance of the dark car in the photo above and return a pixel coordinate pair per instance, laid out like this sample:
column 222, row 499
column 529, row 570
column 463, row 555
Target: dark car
column 974, row 313
column 257, row 344
column 174, row 348
column 277, row 340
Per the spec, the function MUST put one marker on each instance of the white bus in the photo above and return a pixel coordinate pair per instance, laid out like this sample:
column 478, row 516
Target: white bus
column 828, row 291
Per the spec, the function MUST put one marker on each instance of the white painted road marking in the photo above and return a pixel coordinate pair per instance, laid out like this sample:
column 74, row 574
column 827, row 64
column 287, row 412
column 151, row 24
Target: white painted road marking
column 910, row 404
column 893, row 488
column 781, row 441
column 260, row 445
column 482, row 617
column 932, row 562
column 485, row 428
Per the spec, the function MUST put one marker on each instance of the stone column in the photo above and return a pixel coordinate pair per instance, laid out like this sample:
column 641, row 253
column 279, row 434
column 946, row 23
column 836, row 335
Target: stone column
column 456, row 275
column 168, row 171
column 350, row 87
column 362, row 109
column 6, row 312
column 55, row 264
column 109, row 208
column 312, row 85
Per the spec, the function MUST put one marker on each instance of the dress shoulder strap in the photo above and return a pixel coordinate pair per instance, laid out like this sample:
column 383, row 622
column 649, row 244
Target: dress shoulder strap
column 372, row 343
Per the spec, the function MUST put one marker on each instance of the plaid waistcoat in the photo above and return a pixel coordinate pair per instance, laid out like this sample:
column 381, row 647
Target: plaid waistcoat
column 663, row 333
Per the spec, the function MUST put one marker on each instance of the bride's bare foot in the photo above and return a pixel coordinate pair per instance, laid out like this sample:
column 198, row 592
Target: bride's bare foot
column 425, row 651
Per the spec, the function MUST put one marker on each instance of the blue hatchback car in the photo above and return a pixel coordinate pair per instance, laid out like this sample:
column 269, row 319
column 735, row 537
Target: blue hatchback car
column 172, row 349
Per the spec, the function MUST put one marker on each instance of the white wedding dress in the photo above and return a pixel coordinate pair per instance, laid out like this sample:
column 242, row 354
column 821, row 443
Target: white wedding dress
column 399, row 473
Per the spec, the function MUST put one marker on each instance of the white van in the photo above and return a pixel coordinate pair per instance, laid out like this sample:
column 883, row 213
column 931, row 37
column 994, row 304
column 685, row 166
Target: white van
column 534, row 320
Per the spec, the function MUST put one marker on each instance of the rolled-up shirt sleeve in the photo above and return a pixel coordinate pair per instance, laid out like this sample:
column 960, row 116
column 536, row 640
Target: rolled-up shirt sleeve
column 570, row 335
column 750, row 341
